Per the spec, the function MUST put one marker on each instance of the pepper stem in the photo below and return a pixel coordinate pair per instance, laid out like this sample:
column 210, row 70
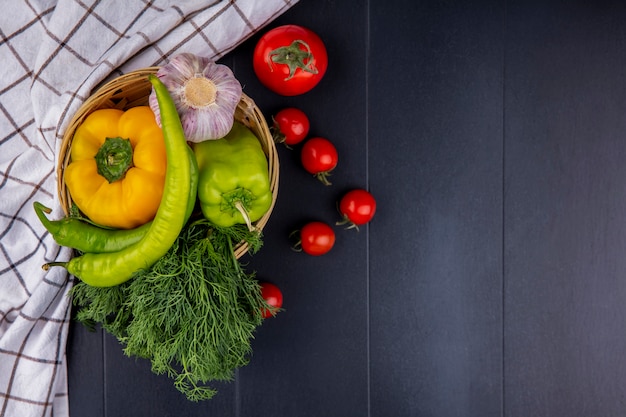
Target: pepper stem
column 49, row 265
column 238, row 200
column 41, row 211
column 114, row 158
column 244, row 213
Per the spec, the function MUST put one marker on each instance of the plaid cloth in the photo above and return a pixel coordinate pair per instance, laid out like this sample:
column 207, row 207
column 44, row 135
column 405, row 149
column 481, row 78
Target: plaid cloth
column 53, row 53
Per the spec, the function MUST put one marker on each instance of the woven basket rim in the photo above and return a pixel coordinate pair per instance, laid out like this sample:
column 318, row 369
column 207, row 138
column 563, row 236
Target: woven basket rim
column 128, row 90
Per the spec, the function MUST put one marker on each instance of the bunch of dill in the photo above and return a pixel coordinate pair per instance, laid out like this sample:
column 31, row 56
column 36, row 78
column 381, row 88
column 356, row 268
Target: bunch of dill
column 192, row 314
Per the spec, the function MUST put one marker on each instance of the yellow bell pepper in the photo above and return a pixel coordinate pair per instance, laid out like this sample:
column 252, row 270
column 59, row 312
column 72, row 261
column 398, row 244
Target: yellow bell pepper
column 117, row 167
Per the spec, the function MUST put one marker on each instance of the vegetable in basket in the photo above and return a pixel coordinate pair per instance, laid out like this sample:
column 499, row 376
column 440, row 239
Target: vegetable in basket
column 234, row 185
column 77, row 233
column 80, row 234
column 192, row 314
column 117, row 168
column 110, row 269
column 205, row 93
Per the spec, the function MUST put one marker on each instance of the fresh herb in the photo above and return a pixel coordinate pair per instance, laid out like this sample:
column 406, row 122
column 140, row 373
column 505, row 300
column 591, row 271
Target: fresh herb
column 192, row 314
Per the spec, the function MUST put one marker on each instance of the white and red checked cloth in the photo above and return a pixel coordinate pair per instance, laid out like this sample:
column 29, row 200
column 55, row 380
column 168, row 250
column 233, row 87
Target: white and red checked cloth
column 52, row 54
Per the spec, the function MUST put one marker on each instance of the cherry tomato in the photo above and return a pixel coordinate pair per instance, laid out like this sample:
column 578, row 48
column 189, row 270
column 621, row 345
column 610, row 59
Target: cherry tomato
column 319, row 157
column 316, row 238
column 290, row 126
column 357, row 208
column 290, row 60
column 273, row 296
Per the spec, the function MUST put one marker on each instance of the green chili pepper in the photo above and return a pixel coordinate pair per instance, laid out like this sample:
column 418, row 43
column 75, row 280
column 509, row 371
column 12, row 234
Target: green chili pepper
column 234, row 186
column 109, row 269
column 85, row 236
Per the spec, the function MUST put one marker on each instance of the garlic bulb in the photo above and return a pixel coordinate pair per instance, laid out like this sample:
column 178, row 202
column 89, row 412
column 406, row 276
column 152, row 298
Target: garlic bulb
column 205, row 93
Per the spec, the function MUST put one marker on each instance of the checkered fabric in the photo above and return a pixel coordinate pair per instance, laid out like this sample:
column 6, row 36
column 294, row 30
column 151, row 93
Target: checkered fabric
column 52, row 54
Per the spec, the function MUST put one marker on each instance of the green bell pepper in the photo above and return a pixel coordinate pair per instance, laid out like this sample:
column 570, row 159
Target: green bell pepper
column 233, row 185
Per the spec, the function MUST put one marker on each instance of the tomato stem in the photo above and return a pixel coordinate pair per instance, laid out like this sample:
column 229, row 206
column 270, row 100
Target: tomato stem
column 323, row 177
column 297, row 246
column 277, row 134
column 294, row 57
column 351, row 224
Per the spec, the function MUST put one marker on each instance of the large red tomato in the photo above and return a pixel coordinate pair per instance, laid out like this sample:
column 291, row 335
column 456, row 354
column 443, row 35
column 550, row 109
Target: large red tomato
column 290, row 60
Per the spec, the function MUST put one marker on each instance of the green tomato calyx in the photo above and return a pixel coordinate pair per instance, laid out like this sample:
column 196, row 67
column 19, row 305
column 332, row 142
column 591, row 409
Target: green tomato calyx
column 294, row 57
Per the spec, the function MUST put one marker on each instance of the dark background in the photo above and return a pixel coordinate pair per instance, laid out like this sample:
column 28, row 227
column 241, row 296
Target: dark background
column 492, row 280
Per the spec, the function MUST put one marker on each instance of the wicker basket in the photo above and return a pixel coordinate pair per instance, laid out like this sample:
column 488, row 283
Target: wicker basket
column 132, row 89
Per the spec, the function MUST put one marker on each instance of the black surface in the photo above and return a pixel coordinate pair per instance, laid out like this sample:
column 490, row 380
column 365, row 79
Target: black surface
column 492, row 280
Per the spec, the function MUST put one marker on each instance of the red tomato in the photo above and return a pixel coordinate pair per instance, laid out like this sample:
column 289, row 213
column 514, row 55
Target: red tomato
column 290, row 126
column 357, row 207
column 290, row 60
column 319, row 157
column 316, row 238
column 273, row 297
